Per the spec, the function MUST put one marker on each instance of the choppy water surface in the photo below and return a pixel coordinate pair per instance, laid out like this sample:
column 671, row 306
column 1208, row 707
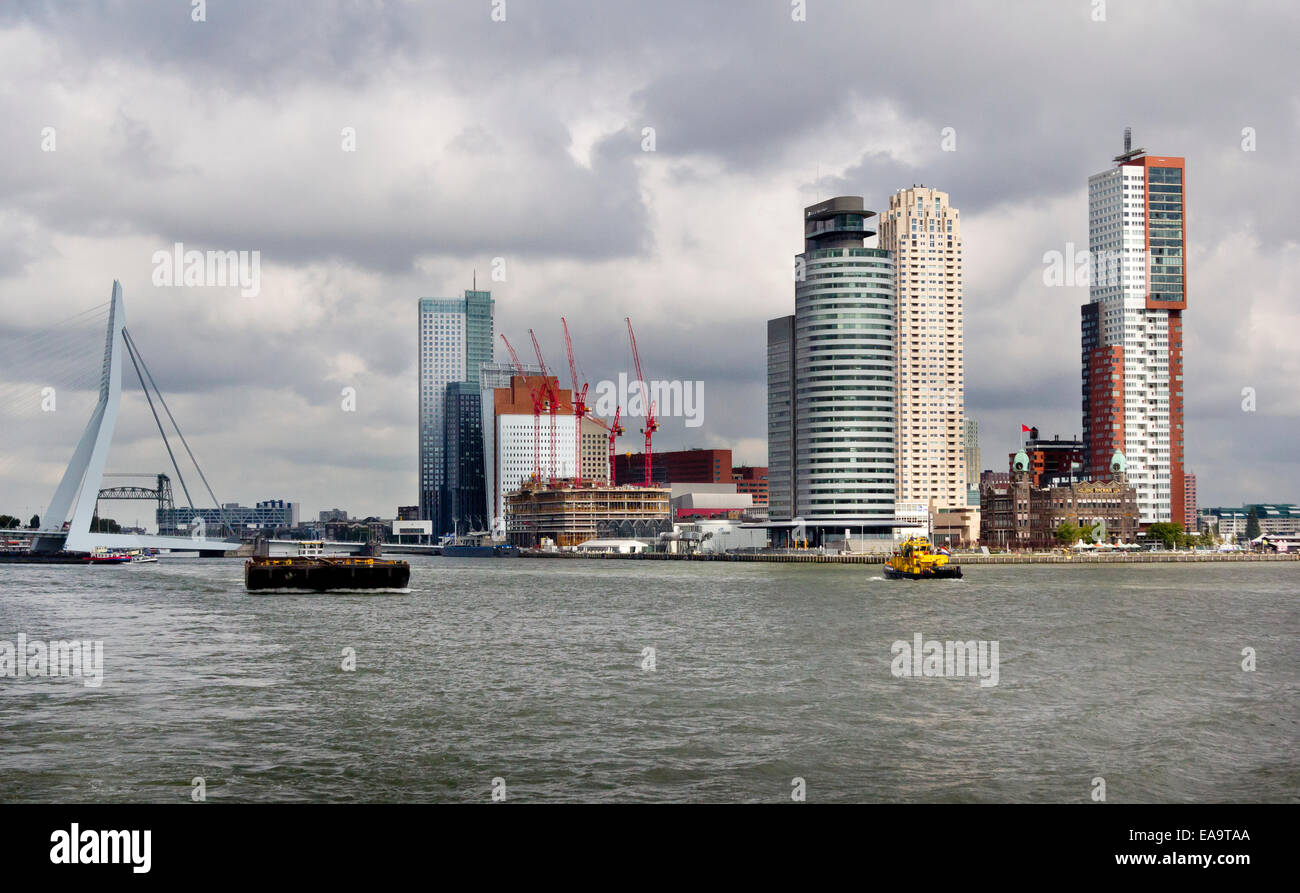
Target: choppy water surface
column 531, row 671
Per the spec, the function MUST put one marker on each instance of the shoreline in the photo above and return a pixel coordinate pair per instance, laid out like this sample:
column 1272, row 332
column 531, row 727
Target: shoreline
column 879, row 558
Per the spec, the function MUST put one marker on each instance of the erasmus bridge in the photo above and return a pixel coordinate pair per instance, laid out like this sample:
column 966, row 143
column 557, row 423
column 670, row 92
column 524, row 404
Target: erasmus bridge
column 66, row 524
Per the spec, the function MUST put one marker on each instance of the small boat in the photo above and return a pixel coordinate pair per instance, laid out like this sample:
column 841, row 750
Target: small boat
column 142, row 558
column 916, row 559
column 469, row 550
column 313, row 570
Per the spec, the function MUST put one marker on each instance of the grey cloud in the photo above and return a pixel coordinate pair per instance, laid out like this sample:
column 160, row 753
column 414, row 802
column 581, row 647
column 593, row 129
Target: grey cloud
column 739, row 95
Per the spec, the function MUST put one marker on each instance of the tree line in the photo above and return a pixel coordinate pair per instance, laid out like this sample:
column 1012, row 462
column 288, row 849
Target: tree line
column 97, row 524
column 1171, row 535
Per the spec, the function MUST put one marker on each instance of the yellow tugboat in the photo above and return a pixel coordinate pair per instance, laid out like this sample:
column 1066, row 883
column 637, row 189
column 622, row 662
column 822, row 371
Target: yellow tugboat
column 916, row 559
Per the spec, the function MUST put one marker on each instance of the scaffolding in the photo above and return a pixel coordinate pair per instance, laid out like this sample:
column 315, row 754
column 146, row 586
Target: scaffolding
column 570, row 515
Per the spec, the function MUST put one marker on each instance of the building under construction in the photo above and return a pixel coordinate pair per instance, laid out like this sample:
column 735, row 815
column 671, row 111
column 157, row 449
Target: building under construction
column 568, row 515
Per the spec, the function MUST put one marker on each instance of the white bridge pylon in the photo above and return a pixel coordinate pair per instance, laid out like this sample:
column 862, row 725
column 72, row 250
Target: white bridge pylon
column 85, row 471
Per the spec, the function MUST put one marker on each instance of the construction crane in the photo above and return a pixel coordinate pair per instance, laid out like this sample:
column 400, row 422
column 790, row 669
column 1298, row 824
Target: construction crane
column 552, row 393
column 615, row 431
column 579, row 401
column 651, row 424
column 537, row 410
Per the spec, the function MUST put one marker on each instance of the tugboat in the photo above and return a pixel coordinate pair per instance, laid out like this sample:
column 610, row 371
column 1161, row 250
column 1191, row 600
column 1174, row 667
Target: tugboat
column 312, row 569
column 916, row 559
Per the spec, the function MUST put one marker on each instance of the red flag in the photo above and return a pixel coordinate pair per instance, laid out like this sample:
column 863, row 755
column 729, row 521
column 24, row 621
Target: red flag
column 1025, row 429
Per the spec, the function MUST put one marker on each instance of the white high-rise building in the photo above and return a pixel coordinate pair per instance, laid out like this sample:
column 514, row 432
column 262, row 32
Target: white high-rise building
column 515, row 442
column 1132, row 330
column 493, row 376
column 923, row 231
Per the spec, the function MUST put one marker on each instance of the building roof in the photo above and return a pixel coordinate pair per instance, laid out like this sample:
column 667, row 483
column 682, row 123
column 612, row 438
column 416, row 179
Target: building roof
column 1262, row 510
column 1278, row 510
column 688, row 487
column 707, row 500
column 612, row 544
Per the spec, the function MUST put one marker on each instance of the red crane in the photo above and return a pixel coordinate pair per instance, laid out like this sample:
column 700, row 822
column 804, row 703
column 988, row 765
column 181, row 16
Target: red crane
column 552, row 392
column 615, row 430
column 537, row 410
column 579, row 401
column 651, row 425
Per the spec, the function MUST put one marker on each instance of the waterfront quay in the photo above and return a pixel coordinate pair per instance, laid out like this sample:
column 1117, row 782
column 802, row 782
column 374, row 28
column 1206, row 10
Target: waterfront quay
column 812, row 557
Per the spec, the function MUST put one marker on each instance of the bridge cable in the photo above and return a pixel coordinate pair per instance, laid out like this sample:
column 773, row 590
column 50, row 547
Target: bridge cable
column 136, row 353
column 131, row 352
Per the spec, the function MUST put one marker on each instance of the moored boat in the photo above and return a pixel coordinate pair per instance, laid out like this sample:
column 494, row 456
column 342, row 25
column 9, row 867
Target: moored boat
column 916, row 559
column 469, row 550
column 102, row 555
column 312, row 570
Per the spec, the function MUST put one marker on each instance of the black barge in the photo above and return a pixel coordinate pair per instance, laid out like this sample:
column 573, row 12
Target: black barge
column 321, row 573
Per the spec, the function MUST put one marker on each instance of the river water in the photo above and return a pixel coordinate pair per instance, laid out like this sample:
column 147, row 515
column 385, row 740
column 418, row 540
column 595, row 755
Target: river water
column 536, row 673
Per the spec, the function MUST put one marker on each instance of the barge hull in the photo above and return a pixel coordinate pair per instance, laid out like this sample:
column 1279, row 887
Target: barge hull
column 946, row 572
column 43, row 558
column 323, row 577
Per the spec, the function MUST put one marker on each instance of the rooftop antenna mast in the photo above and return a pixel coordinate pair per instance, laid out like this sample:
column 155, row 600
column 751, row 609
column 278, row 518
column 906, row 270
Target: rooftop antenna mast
column 1129, row 152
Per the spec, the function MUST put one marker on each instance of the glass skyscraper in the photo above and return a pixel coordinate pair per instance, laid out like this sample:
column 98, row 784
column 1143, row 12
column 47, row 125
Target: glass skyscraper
column 831, row 380
column 455, row 341
column 466, row 497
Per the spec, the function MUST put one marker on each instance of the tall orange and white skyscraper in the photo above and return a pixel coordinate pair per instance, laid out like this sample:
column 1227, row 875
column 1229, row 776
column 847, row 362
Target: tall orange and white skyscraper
column 1132, row 328
column 923, row 232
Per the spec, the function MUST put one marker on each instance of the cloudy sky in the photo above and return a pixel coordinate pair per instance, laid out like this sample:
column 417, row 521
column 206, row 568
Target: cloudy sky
column 525, row 140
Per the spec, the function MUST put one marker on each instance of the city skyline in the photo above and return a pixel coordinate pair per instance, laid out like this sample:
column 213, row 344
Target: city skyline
column 600, row 227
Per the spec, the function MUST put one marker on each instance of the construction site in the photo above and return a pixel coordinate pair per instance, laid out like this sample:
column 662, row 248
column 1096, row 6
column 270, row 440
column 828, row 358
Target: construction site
column 566, row 514
column 556, row 505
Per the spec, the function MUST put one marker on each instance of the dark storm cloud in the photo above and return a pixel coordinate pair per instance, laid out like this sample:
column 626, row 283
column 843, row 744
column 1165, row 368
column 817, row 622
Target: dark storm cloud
column 295, row 218
column 308, row 201
column 740, row 86
column 242, row 44
column 1037, row 94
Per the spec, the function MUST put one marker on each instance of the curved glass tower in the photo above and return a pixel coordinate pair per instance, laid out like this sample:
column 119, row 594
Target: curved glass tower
column 835, row 414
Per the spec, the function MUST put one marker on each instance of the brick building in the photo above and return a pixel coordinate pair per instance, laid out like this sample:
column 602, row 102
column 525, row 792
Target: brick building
column 751, row 479
column 1020, row 515
column 1054, row 461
